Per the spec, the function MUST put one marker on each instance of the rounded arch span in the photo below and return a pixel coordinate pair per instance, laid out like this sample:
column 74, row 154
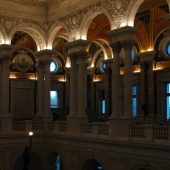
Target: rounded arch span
column 162, row 31
column 88, row 18
column 92, row 64
column 3, row 35
column 52, row 32
column 91, row 158
column 34, row 31
column 132, row 10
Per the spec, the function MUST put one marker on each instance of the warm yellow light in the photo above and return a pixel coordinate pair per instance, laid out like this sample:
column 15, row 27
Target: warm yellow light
column 31, row 133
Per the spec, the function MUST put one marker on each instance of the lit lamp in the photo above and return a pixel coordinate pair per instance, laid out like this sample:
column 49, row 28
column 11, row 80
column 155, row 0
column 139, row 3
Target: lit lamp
column 30, row 134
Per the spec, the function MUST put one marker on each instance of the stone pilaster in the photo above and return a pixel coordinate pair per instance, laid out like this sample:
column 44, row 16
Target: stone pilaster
column 108, row 85
column 90, row 95
column 5, row 55
column 43, row 58
column 78, row 84
column 147, row 84
column 67, row 90
column 116, row 84
column 121, row 38
column 128, row 78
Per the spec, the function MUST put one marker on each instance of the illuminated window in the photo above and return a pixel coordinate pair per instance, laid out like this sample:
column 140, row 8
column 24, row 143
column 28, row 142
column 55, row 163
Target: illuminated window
column 168, row 101
column 133, row 54
column 102, row 67
column 168, row 48
column 53, row 67
column 58, row 163
column 53, row 99
column 103, row 106
column 134, row 101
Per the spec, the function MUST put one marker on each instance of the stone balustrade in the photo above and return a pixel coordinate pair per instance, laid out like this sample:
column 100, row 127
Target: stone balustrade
column 139, row 133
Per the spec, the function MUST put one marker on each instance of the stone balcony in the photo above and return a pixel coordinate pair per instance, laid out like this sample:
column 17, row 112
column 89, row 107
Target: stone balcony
column 142, row 133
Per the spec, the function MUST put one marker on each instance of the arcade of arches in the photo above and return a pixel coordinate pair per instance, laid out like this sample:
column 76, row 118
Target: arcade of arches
column 90, row 79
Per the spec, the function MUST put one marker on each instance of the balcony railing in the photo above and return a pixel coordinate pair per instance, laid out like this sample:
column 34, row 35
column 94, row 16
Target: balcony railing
column 138, row 133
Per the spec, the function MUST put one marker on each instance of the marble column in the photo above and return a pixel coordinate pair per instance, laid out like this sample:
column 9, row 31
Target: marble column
column 90, row 95
column 44, row 58
column 73, row 87
column 67, row 90
column 78, row 85
column 39, row 95
column 82, row 86
column 116, row 79
column 78, row 77
column 5, row 55
column 128, row 45
column 119, row 123
column 147, row 84
column 107, row 89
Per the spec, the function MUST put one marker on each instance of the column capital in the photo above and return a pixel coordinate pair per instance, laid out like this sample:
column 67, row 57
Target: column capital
column 147, row 56
column 6, row 51
column 116, row 47
column 77, row 48
column 124, row 33
column 44, row 56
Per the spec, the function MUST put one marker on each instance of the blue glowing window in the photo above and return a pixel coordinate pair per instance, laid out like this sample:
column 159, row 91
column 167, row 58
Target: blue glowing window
column 168, row 101
column 103, row 106
column 168, row 48
column 133, row 54
column 102, row 67
column 53, row 99
column 53, row 67
column 58, row 162
column 99, row 166
column 134, row 101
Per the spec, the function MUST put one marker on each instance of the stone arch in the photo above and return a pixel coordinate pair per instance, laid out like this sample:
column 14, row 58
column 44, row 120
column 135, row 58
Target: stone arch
column 92, row 64
column 88, row 18
column 91, row 164
column 52, row 32
column 132, row 10
column 3, row 35
column 51, row 160
column 36, row 161
column 34, row 31
column 101, row 43
column 158, row 35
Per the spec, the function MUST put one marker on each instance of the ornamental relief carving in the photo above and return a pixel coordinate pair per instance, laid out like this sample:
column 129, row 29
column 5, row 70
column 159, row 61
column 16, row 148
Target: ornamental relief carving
column 9, row 23
column 116, row 9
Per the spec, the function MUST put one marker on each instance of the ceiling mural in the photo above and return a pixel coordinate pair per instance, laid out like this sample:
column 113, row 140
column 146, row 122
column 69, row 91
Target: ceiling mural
column 21, row 39
column 149, row 22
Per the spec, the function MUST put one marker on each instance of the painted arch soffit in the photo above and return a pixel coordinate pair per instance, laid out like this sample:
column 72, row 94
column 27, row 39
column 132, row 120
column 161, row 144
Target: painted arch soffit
column 116, row 9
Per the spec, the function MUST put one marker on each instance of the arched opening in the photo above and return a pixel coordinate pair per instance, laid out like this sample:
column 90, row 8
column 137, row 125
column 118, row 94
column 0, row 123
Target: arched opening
column 30, row 160
column 55, row 32
column 32, row 30
column 93, row 164
column 21, row 40
column 133, row 8
column 103, row 18
column 98, row 28
column 148, row 21
column 55, row 161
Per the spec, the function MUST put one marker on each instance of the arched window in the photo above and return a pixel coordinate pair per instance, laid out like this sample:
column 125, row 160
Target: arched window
column 102, row 67
column 53, row 99
column 53, row 67
column 168, row 49
column 133, row 54
column 167, row 101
